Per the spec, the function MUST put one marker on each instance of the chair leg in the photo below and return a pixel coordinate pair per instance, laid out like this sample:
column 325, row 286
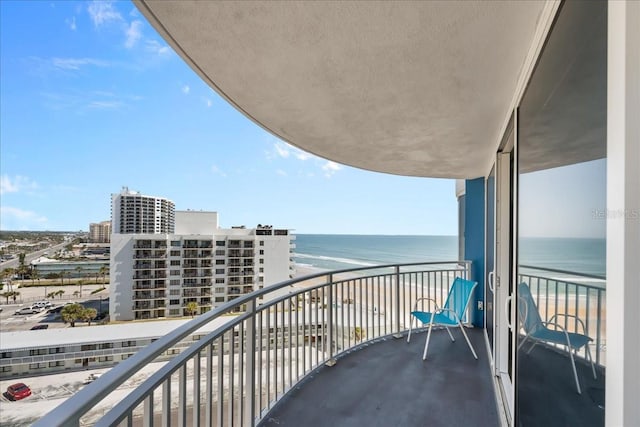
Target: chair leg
column 468, row 342
column 426, row 345
column 593, row 368
column 450, row 335
column 410, row 327
column 575, row 373
column 524, row 340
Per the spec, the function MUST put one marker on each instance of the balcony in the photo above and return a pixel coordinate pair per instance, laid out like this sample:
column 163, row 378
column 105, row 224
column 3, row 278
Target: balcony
column 329, row 348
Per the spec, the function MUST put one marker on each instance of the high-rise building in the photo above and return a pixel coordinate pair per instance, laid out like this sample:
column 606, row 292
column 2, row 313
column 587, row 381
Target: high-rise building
column 158, row 275
column 100, row 232
column 132, row 212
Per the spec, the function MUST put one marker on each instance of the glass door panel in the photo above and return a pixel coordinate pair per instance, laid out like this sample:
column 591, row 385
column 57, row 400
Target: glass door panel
column 561, row 155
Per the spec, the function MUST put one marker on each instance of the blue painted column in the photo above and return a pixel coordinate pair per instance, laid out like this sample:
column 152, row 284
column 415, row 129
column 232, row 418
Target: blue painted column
column 474, row 245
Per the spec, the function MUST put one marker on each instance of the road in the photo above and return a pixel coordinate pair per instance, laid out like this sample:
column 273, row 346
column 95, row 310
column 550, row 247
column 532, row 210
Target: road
column 13, row 263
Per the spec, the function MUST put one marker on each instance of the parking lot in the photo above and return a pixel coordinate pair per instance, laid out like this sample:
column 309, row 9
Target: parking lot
column 10, row 322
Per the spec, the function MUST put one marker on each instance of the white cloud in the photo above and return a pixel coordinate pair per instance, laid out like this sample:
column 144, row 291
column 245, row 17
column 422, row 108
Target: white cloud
column 77, row 63
column 105, row 105
column 302, row 155
column 25, row 219
column 330, row 168
column 133, row 34
column 71, row 23
column 208, row 102
column 186, row 89
column 103, row 12
column 16, row 184
column 282, row 149
column 155, row 46
column 216, row 170
column 281, row 172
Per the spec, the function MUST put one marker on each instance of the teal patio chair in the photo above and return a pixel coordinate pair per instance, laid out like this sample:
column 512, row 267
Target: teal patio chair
column 450, row 315
column 538, row 331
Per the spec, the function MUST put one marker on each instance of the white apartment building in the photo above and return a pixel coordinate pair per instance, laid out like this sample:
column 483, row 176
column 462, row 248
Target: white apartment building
column 158, row 275
column 100, row 232
column 132, row 212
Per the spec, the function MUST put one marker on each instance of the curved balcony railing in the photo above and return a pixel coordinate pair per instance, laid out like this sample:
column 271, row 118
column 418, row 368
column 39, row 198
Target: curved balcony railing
column 260, row 345
column 578, row 294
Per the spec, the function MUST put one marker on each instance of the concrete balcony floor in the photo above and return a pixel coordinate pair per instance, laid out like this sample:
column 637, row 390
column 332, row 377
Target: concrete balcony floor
column 388, row 384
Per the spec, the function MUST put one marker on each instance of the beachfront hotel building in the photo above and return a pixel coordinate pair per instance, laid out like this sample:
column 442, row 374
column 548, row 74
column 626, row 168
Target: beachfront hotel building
column 534, row 106
column 100, row 232
column 132, row 212
column 158, row 275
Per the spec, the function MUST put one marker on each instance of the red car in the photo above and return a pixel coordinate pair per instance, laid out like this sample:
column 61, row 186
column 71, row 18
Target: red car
column 18, row 391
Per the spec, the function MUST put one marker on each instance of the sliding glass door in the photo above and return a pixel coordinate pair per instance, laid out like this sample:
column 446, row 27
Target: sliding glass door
column 561, row 212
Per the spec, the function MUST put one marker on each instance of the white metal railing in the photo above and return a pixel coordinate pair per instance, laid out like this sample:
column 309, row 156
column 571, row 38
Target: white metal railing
column 567, row 292
column 234, row 375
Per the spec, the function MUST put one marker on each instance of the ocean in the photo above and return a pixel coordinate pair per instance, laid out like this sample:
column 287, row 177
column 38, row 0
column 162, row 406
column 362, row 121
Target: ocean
column 338, row 251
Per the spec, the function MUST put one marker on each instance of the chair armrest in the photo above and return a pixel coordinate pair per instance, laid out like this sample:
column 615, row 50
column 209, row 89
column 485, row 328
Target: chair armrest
column 584, row 330
column 415, row 305
column 558, row 326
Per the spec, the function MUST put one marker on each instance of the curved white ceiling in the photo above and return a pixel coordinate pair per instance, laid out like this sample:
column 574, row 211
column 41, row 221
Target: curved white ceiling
column 409, row 88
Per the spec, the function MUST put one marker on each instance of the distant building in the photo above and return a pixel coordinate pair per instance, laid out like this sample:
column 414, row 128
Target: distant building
column 132, row 212
column 158, row 275
column 100, row 232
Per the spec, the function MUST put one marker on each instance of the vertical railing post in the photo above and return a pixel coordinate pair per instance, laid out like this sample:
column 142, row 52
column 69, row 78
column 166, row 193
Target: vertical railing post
column 250, row 372
column 398, row 333
column 328, row 318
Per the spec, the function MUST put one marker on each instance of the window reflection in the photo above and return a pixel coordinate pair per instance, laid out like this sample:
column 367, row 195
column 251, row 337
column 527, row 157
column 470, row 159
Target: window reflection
column 561, row 238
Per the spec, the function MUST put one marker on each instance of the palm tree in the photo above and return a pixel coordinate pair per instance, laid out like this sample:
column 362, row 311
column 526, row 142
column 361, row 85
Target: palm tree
column 80, row 283
column 192, row 308
column 78, row 271
column 60, row 293
column 7, row 295
column 103, row 272
column 52, row 295
column 22, row 268
column 8, row 273
column 89, row 314
column 72, row 312
column 35, row 275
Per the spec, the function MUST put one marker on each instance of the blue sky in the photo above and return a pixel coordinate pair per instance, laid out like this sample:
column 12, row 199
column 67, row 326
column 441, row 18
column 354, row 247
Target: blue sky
column 92, row 99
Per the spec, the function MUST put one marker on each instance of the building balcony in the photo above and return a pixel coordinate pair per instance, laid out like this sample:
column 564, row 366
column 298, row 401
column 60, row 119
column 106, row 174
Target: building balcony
column 334, row 351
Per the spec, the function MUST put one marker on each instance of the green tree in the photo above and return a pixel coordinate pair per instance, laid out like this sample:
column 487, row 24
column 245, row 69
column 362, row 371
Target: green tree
column 8, row 274
column 71, row 313
column 35, row 276
column 60, row 293
column 80, row 283
column 103, row 272
column 22, row 268
column 52, row 295
column 192, row 308
column 89, row 314
column 7, row 295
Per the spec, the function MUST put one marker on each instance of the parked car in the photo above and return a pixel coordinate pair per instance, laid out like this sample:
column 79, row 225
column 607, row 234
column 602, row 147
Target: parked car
column 56, row 309
column 18, row 391
column 43, row 304
column 41, row 326
column 28, row 310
